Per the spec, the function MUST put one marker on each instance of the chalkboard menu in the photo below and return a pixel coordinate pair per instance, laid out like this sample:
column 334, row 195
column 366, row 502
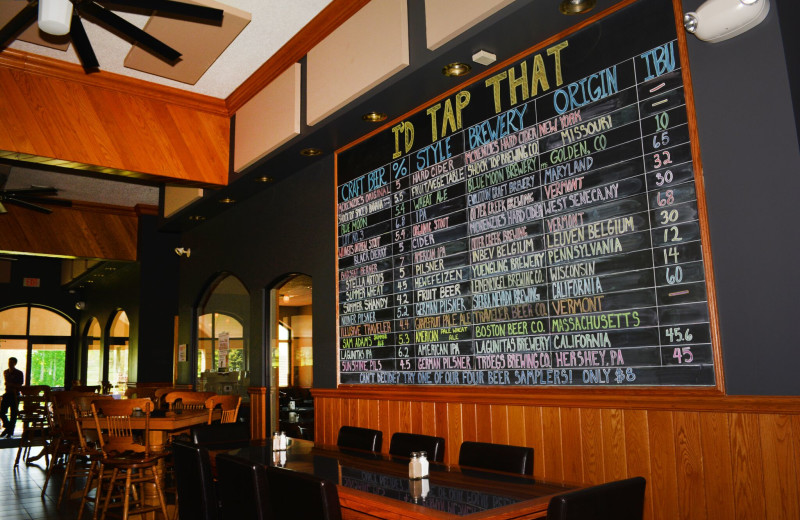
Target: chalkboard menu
column 540, row 226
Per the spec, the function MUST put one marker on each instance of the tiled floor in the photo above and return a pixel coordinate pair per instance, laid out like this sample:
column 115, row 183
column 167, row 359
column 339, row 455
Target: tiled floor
column 21, row 492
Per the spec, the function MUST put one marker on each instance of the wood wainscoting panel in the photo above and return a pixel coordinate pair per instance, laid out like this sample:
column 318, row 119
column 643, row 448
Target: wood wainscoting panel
column 713, row 457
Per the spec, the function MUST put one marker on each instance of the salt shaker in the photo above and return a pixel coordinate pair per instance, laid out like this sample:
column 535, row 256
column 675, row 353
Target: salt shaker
column 283, row 441
column 423, row 463
column 414, row 467
column 276, row 441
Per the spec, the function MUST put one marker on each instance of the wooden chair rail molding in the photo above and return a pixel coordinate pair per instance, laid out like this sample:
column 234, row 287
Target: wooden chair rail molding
column 694, row 400
column 705, row 456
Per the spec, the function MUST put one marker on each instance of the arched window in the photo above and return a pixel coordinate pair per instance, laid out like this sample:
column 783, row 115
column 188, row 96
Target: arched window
column 94, row 353
column 222, row 327
column 38, row 338
column 117, row 342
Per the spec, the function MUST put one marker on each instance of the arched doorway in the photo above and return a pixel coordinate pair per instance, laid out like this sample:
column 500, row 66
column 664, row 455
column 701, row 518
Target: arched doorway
column 117, row 341
column 292, row 356
column 92, row 369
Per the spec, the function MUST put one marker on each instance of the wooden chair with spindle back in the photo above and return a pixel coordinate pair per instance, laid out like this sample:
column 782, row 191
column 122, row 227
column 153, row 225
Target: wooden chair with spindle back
column 229, row 405
column 127, row 456
column 187, row 400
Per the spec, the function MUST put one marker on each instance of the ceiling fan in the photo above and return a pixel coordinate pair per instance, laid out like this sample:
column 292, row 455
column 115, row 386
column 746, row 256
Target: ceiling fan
column 60, row 17
column 23, row 196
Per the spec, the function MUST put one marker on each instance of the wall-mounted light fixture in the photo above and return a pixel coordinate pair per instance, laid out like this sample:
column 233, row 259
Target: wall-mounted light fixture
column 183, row 251
column 718, row 20
column 570, row 7
column 374, row 117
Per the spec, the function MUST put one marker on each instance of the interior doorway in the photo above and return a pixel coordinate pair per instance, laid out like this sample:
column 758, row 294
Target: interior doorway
column 292, row 357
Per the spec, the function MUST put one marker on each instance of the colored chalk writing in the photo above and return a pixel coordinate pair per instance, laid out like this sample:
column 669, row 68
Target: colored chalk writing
column 538, row 227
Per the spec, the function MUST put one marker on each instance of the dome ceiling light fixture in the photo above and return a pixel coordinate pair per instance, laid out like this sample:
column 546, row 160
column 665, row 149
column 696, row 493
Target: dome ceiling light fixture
column 61, row 17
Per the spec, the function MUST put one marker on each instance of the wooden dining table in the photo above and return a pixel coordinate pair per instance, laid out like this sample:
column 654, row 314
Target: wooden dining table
column 374, row 485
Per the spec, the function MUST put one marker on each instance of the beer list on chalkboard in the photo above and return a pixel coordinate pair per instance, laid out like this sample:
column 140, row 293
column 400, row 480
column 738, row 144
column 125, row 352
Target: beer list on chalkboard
column 538, row 227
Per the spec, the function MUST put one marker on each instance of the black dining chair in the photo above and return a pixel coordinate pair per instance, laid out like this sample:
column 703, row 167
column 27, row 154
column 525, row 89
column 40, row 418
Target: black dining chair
column 360, row 438
column 618, row 500
column 218, row 436
column 402, row 444
column 302, row 496
column 496, row 457
column 242, row 488
column 197, row 494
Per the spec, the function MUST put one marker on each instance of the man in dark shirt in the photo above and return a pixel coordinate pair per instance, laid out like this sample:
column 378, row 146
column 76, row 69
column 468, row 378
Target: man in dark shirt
column 13, row 379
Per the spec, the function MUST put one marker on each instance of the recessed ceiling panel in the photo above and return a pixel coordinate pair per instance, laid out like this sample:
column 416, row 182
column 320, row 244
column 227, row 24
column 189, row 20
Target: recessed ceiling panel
column 199, row 43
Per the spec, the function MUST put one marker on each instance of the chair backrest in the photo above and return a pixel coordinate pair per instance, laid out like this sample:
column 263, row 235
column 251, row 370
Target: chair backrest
column 619, row 500
column 359, row 438
column 229, row 405
column 159, row 394
column 496, row 457
column 302, row 495
column 35, row 410
column 402, row 444
column 243, row 490
column 197, row 495
column 221, row 436
column 86, row 388
column 187, row 400
column 112, row 418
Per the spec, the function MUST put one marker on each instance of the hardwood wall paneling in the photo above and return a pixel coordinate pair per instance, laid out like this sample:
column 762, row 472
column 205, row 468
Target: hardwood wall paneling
column 716, row 454
column 700, row 463
column 571, row 446
column 691, row 494
column 483, row 423
column 455, row 432
column 83, row 230
column 663, row 479
column 516, row 425
column 591, row 446
column 780, row 486
column 499, row 424
column 67, row 116
column 614, row 444
column 534, row 439
column 551, row 441
column 361, row 53
column 748, row 475
column 637, row 445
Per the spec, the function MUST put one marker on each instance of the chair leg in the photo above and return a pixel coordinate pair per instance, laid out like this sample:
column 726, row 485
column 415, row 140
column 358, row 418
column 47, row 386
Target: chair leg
column 68, row 472
column 57, row 452
column 93, row 472
column 126, row 500
column 161, row 500
column 111, row 483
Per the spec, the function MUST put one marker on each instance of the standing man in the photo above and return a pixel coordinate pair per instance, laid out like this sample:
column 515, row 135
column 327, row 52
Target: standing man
column 14, row 379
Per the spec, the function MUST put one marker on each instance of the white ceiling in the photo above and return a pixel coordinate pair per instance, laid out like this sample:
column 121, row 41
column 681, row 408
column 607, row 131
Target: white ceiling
column 273, row 23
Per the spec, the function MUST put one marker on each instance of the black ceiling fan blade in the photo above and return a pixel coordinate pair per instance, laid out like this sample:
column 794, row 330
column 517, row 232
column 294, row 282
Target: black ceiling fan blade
column 28, row 205
column 23, row 19
column 33, row 191
column 201, row 12
column 56, row 202
column 81, row 42
column 115, row 22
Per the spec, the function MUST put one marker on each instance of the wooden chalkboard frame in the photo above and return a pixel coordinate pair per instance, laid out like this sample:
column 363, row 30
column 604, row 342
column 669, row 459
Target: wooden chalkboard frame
column 719, row 387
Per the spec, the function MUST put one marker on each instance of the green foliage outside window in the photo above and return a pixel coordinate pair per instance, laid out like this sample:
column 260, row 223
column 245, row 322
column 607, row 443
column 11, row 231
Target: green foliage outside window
column 47, row 367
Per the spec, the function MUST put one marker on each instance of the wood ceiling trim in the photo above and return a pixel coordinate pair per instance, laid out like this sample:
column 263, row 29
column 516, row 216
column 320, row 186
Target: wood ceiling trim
column 334, row 15
column 42, row 65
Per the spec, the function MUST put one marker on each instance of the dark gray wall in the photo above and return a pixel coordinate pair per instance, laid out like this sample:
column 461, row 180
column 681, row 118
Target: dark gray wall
column 751, row 162
column 750, row 157
column 287, row 229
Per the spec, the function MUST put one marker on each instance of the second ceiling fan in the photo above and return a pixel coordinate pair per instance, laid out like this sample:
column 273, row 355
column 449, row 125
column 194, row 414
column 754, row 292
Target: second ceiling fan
column 60, row 17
